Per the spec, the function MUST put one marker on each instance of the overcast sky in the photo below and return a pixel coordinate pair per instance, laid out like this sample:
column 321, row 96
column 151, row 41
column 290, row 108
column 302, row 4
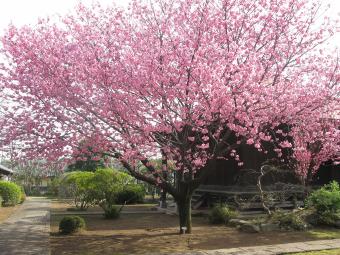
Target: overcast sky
column 27, row 11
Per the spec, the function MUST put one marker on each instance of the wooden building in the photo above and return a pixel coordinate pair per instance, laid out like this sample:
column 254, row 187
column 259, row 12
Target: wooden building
column 231, row 183
column 228, row 173
column 5, row 173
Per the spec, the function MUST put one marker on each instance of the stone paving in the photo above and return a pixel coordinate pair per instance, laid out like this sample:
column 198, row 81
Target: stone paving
column 26, row 232
column 272, row 249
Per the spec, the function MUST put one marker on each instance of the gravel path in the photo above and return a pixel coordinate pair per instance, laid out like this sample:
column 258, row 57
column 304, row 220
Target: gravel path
column 27, row 230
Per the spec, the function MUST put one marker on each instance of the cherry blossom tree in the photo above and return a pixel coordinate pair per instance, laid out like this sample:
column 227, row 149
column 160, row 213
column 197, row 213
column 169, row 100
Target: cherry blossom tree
column 316, row 144
column 187, row 80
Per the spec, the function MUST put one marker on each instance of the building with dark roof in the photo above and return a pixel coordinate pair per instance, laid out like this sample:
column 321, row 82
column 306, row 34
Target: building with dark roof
column 5, row 172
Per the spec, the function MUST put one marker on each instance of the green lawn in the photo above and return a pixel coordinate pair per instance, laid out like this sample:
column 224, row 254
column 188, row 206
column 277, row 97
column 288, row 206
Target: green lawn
column 325, row 233
column 324, row 252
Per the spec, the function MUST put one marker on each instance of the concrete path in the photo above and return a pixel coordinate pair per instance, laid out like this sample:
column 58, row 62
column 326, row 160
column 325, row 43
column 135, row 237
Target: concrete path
column 272, row 249
column 26, row 232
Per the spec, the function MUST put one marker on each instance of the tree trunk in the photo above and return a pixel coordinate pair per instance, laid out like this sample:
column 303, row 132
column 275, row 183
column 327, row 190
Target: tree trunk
column 184, row 211
column 309, row 179
column 165, row 176
column 163, row 199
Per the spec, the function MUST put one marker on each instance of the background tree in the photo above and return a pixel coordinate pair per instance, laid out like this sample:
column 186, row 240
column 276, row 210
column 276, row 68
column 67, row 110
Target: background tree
column 189, row 80
column 30, row 173
column 85, row 159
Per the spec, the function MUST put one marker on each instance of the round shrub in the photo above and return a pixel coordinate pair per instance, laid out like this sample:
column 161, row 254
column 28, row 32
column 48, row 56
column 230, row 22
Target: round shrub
column 131, row 194
column 71, row 224
column 10, row 193
column 111, row 212
column 221, row 214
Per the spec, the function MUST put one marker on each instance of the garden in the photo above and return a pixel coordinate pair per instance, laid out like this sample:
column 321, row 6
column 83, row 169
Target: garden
column 105, row 211
column 171, row 126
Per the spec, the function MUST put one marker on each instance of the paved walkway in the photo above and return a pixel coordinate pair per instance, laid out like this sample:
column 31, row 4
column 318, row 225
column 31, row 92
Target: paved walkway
column 26, row 232
column 272, row 249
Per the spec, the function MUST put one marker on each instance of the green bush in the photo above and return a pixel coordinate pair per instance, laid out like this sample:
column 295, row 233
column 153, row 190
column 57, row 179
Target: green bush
column 35, row 192
column 326, row 204
column 325, row 199
column 326, row 218
column 71, row 224
column 22, row 195
column 289, row 220
column 79, row 187
column 1, row 201
column 10, row 193
column 221, row 214
column 131, row 194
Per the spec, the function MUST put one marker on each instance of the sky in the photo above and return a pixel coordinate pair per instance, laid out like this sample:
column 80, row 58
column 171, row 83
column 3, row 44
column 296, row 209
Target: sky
column 22, row 12
column 27, row 11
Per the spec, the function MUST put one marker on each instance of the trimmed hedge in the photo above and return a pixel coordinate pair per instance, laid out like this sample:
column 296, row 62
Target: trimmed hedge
column 10, row 193
column 71, row 224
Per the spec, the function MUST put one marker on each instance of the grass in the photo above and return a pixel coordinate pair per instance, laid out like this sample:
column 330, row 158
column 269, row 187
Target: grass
column 323, row 252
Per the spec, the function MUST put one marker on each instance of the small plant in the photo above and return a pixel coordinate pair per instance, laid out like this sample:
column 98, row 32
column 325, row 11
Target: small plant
column 221, row 214
column 289, row 220
column 1, row 201
column 71, row 224
column 10, row 193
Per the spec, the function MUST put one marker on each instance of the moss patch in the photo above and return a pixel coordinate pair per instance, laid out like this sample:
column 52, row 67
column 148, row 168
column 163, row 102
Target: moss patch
column 325, row 233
